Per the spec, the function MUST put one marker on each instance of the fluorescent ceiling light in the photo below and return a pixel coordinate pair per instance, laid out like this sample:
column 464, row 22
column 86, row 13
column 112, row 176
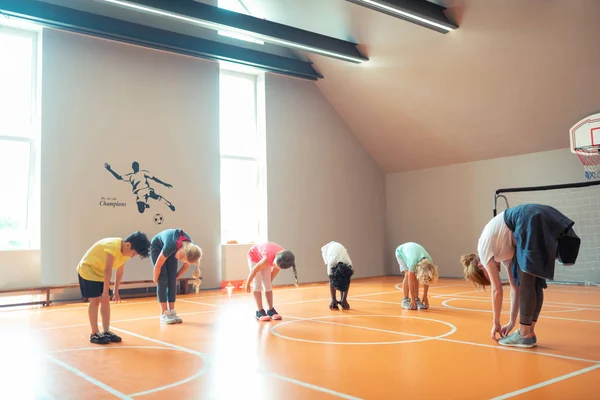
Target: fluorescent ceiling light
column 237, row 6
column 212, row 25
column 405, row 14
column 239, row 36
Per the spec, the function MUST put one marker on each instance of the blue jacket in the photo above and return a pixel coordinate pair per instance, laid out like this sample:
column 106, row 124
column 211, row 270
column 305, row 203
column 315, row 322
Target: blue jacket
column 538, row 231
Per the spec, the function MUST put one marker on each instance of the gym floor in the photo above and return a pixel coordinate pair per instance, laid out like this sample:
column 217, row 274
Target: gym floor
column 376, row 350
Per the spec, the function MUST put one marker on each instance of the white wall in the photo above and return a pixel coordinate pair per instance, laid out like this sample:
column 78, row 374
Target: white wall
column 108, row 102
column 104, row 101
column 234, row 261
column 445, row 209
column 322, row 185
column 20, row 268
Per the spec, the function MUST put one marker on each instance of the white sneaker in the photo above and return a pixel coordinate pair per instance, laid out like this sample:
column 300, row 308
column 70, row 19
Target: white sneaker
column 176, row 317
column 167, row 318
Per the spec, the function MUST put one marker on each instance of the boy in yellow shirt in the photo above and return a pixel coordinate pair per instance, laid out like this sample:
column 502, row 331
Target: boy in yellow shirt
column 95, row 270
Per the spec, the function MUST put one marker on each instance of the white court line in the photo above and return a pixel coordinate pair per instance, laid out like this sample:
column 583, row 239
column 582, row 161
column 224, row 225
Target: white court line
column 190, row 351
column 184, row 349
column 542, row 315
column 377, row 301
column 593, row 307
column 198, row 302
column 568, row 309
column 355, row 297
column 88, row 378
column 5, row 313
column 546, row 383
column 399, row 286
column 443, row 339
column 157, row 389
column 453, row 294
column 123, row 303
column 316, row 286
column 287, row 303
column 46, row 310
column 422, row 338
column 351, row 297
column 311, row 386
column 507, row 301
column 485, row 311
column 121, row 320
column 554, row 290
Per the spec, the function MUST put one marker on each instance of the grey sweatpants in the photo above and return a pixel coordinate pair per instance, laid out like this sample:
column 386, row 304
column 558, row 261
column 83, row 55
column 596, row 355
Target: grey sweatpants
column 167, row 280
column 531, row 298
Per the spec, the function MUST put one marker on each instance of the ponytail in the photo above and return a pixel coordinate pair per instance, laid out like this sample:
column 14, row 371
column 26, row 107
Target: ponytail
column 197, row 275
column 295, row 276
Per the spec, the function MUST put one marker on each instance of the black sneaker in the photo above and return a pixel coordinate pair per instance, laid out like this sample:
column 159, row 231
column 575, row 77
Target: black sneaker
column 273, row 314
column 98, row 338
column 112, row 337
column 261, row 315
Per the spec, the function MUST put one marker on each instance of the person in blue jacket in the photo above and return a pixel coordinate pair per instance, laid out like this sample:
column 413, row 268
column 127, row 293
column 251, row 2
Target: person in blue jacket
column 526, row 240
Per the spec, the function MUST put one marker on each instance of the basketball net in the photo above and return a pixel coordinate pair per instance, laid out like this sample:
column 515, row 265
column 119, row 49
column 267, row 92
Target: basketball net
column 590, row 159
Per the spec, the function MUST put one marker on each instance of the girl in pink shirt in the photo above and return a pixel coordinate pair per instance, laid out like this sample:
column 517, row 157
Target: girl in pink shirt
column 265, row 260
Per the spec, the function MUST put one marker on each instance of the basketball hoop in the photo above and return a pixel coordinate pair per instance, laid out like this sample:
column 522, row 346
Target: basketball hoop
column 590, row 158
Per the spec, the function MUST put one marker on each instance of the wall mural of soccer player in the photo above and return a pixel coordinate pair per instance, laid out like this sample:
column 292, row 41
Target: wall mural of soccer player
column 140, row 186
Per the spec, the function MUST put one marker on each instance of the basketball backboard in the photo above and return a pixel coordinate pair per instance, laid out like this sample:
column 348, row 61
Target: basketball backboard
column 585, row 132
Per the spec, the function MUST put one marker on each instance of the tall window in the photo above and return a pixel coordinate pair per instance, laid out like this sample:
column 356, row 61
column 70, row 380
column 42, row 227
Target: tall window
column 19, row 139
column 243, row 183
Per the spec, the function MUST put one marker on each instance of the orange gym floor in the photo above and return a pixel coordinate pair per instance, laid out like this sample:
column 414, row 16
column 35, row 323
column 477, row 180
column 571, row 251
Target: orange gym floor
column 376, row 350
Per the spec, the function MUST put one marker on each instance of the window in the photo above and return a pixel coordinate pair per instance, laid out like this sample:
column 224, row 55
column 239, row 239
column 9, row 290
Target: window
column 19, row 139
column 243, row 183
column 240, row 7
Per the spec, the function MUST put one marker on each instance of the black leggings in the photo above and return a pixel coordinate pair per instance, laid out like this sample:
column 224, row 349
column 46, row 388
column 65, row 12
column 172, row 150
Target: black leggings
column 167, row 280
column 531, row 298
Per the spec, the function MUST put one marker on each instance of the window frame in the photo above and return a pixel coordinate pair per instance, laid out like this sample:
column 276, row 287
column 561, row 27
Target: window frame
column 258, row 158
column 31, row 135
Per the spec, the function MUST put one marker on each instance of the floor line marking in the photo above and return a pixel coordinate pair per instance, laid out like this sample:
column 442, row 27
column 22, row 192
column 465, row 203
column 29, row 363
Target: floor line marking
column 591, row 321
column 190, row 351
column 174, row 346
column 199, row 302
column 311, row 386
column 145, row 392
column 122, row 320
column 593, row 307
column 444, row 303
column 88, row 378
column 498, row 347
column 546, row 383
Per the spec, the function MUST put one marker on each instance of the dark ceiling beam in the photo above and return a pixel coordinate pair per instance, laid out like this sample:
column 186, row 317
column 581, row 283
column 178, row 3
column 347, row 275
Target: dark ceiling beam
column 110, row 28
column 420, row 12
column 216, row 18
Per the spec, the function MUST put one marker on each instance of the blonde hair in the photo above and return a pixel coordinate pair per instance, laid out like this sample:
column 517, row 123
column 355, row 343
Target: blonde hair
column 473, row 273
column 197, row 275
column 427, row 272
column 192, row 252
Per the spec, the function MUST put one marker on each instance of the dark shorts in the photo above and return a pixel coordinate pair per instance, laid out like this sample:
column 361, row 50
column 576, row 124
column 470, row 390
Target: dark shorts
column 90, row 289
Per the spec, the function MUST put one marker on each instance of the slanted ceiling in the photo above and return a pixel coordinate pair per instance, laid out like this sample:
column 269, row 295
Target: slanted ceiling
column 512, row 79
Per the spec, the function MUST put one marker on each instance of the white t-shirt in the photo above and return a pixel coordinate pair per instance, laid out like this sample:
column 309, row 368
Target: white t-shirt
column 497, row 242
column 333, row 253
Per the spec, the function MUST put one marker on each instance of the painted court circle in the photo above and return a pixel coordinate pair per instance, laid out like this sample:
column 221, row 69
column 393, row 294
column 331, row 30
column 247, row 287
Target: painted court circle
column 446, row 304
column 145, row 392
column 416, row 337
